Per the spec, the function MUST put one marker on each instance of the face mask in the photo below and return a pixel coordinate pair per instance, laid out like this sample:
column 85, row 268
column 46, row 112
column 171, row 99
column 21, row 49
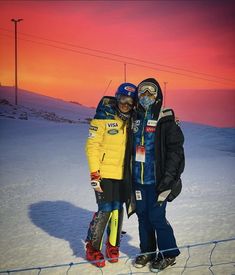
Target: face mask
column 146, row 101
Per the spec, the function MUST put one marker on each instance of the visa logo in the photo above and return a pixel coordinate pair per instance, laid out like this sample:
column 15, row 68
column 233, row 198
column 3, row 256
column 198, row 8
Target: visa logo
column 113, row 124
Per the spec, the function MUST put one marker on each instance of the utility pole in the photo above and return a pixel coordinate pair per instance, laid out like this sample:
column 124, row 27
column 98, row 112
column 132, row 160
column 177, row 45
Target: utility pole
column 164, row 95
column 16, row 80
column 124, row 72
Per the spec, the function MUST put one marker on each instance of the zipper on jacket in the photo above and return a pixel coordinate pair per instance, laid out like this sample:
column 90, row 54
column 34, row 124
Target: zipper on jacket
column 155, row 176
column 142, row 144
column 103, row 157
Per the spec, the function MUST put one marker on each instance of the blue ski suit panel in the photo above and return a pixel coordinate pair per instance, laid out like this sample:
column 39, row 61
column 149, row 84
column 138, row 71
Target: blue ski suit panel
column 143, row 134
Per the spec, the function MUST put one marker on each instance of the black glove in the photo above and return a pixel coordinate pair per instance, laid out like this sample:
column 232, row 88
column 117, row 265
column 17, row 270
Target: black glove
column 175, row 191
column 164, row 189
column 168, row 189
column 165, row 184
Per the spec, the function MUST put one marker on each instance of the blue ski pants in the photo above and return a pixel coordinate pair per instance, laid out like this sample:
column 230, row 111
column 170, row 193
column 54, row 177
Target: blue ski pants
column 154, row 229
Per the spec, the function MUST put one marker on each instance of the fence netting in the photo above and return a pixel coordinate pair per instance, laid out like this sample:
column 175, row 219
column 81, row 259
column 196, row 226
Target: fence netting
column 212, row 257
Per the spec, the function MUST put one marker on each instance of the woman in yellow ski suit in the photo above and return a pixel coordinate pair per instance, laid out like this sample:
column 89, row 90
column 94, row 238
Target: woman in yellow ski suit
column 106, row 151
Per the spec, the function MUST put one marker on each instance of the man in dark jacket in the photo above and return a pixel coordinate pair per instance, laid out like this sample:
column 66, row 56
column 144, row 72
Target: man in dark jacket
column 157, row 163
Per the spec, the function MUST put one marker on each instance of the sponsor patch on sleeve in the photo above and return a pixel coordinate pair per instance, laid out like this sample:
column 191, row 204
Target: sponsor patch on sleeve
column 93, row 128
column 91, row 135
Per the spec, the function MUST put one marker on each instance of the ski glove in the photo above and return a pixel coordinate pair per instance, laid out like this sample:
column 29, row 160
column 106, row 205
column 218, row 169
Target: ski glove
column 164, row 189
column 165, row 184
column 175, row 190
column 95, row 181
column 168, row 189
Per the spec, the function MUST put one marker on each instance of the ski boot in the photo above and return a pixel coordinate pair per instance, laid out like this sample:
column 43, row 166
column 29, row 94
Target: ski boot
column 94, row 255
column 112, row 252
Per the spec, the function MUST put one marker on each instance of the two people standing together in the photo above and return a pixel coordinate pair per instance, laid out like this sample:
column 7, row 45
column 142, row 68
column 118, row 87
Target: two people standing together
column 135, row 155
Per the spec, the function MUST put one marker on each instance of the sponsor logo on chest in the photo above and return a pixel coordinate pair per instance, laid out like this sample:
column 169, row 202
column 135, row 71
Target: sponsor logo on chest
column 112, row 124
column 152, row 123
column 135, row 126
column 137, row 123
column 151, row 126
column 113, row 131
column 150, row 129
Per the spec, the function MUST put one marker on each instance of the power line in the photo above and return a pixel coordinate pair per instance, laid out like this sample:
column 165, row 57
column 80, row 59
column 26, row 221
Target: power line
column 67, row 49
column 119, row 61
column 122, row 56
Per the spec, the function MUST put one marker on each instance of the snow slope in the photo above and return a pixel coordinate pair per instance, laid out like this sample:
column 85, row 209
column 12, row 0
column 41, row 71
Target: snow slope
column 46, row 202
column 44, row 107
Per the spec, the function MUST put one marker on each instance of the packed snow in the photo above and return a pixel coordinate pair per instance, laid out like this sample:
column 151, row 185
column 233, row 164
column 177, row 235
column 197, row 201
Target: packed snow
column 46, row 202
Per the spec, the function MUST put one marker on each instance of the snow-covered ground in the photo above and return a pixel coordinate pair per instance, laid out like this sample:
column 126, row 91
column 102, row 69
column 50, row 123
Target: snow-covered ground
column 46, row 202
column 36, row 106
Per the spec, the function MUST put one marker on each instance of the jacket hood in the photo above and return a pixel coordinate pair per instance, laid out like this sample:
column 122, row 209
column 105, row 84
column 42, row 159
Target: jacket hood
column 156, row 107
column 154, row 81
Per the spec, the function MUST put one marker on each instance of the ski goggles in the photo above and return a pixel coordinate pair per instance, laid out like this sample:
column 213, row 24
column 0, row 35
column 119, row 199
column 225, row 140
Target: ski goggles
column 148, row 87
column 126, row 100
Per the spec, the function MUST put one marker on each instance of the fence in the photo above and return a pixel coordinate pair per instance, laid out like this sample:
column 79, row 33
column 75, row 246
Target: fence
column 210, row 265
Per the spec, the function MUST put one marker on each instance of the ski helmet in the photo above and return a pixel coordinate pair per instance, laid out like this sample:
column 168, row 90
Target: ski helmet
column 127, row 89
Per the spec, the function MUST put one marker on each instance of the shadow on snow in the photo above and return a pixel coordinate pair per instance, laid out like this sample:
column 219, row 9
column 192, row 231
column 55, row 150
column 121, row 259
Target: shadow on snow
column 66, row 221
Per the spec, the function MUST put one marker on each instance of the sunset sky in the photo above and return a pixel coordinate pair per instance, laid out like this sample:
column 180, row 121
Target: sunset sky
column 76, row 50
